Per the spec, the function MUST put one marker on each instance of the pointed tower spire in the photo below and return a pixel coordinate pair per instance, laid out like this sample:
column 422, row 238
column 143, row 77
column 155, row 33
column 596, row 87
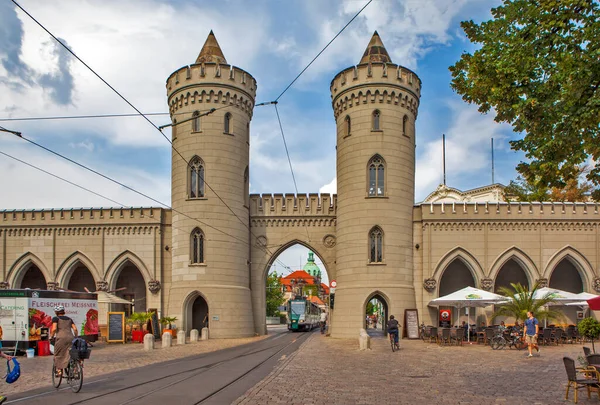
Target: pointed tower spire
column 375, row 51
column 211, row 51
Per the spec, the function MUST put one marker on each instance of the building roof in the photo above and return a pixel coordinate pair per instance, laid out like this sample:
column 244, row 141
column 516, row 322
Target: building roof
column 316, row 300
column 375, row 51
column 211, row 51
column 490, row 193
column 311, row 267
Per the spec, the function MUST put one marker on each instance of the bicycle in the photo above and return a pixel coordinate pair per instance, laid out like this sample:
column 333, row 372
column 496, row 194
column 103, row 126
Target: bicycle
column 73, row 372
column 517, row 341
column 395, row 346
column 498, row 341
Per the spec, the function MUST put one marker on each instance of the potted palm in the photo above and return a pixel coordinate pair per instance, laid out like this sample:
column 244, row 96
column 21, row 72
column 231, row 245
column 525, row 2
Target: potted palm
column 138, row 319
column 168, row 326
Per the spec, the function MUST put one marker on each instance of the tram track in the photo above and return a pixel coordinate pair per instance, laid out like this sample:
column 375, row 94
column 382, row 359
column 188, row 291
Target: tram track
column 187, row 375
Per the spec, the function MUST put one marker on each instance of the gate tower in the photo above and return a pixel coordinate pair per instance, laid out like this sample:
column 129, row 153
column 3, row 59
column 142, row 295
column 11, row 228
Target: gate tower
column 211, row 258
column 375, row 106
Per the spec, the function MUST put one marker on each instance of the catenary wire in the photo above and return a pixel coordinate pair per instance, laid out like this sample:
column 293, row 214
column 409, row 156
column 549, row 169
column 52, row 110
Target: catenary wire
column 132, row 106
column 322, row 50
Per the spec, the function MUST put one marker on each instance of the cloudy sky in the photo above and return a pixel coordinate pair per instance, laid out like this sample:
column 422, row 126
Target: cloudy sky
column 135, row 45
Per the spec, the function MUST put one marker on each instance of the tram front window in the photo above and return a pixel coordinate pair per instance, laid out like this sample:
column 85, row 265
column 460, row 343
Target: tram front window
column 298, row 308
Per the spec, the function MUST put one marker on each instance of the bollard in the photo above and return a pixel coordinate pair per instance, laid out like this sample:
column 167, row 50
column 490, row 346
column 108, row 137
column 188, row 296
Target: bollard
column 364, row 340
column 148, row 342
column 204, row 334
column 194, row 335
column 181, row 337
column 167, row 339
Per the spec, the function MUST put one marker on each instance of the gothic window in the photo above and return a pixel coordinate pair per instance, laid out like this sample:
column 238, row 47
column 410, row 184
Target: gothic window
column 197, row 246
column 227, row 124
column 404, row 121
column 196, row 121
column 376, row 119
column 196, row 169
column 246, row 187
column 348, row 125
column 376, row 245
column 376, row 170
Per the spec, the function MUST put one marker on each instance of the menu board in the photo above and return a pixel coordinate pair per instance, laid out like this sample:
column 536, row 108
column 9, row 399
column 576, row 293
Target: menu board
column 116, row 327
column 411, row 322
column 154, row 322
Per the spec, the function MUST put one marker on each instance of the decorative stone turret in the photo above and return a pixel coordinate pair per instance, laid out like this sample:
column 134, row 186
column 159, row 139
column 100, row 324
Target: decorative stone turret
column 211, row 105
column 375, row 106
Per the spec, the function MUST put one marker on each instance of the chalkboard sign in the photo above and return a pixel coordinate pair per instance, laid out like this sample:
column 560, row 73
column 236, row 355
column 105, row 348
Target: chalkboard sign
column 155, row 325
column 411, row 323
column 116, row 327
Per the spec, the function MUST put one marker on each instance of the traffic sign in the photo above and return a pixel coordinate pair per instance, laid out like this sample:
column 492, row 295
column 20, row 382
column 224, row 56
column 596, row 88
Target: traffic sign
column 333, row 284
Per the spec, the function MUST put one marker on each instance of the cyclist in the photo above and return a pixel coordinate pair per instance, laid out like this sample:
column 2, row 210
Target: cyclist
column 323, row 321
column 63, row 329
column 392, row 327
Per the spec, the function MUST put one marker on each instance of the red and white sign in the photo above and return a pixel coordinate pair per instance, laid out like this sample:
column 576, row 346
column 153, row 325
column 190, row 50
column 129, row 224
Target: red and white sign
column 333, row 284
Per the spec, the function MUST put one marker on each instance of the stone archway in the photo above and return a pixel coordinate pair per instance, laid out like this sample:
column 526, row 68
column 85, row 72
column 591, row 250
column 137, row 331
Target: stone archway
column 510, row 272
column 377, row 324
column 456, row 275
column 80, row 279
column 566, row 277
column 32, row 277
column 195, row 312
column 128, row 283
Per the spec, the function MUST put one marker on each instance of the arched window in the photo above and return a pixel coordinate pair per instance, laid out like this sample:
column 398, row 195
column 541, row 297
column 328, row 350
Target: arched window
column 404, row 121
column 227, row 124
column 196, row 121
column 376, row 176
column 376, row 119
column 197, row 246
column 348, row 125
column 196, row 181
column 246, row 187
column 376, row 245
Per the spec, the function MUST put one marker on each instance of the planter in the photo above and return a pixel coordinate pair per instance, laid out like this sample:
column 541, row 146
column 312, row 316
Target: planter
column 173, row 332
column 138, row 336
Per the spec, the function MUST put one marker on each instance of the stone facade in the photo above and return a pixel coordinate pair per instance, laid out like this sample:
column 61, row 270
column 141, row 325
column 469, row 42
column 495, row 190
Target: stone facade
column 205, row 260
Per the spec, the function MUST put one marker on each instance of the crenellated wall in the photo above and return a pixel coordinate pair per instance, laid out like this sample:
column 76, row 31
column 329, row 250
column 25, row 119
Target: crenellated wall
column 292, row 205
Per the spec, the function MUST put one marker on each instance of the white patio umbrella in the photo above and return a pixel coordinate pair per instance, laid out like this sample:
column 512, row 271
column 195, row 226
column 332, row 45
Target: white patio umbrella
column 584, row 297
column 560, row 297
column 468, row 297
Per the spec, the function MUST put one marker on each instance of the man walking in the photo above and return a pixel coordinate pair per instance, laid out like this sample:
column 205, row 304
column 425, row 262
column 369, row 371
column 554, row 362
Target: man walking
column 530, row 333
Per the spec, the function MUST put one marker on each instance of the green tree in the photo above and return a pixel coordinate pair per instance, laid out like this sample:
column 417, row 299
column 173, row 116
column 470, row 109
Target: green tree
column 370, row 308
column 521, row 301
column 538, row 67
column 274, row 294
column 590, row 328
column 530, row 190
column 310, row 289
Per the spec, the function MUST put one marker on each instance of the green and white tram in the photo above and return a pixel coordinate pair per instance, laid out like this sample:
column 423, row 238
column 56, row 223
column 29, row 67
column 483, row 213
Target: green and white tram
column 303, row 315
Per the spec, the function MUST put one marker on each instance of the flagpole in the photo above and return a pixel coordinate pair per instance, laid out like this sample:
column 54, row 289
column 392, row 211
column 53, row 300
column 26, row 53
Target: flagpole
column 444, row 155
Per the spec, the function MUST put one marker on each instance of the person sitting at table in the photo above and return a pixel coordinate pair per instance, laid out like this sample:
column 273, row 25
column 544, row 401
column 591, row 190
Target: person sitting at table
column 481, row 327
column 502, row 327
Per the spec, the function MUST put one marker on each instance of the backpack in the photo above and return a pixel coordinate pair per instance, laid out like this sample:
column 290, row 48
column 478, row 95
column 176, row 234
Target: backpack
column 14, row 374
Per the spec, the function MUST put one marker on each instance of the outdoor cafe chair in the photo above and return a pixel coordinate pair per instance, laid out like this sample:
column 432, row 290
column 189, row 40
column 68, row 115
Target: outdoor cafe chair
column 593, row 360
column 445, row 336
column 591, row 378
column 489, row 334
column 586, row 351
column 569, row 335
column 433, row 334
column 558, row 333
column 460, row 336
column 546, row 336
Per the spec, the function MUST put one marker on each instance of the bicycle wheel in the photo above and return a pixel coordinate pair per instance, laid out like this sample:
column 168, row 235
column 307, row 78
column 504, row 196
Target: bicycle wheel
column 75, row 378
column 392, row 343
column 495, row 343
column 56, row 379
column 520, row 344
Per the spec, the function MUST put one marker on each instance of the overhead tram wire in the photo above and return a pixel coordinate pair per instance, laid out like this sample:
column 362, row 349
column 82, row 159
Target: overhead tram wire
column 132, row 106
column 72, row 117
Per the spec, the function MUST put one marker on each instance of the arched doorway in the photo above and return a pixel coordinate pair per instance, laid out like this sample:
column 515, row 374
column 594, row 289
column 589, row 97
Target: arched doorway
column 376, row 315
column 199, row 313
column 566, row 277
column 33, row 278
column 131, row 286
column 510, row 272
column 456, row 276
column 81, row 278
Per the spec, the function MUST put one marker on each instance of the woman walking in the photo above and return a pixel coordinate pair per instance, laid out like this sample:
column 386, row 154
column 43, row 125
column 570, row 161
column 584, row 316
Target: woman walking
column 63, row 329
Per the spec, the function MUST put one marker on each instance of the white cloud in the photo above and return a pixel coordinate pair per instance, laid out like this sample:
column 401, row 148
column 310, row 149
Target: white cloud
column 330, row 188
column 468, row 149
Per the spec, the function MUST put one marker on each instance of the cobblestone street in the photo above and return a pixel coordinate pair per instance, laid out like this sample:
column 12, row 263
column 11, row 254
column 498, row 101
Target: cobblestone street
column 331, row 371
column 105, row 358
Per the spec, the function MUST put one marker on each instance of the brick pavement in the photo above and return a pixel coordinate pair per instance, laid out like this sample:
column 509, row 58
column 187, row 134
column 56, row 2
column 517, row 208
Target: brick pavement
column 332, row 371
column 105, row 358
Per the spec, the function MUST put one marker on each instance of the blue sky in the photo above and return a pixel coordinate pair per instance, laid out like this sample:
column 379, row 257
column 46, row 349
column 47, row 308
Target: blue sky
column 136, row 44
